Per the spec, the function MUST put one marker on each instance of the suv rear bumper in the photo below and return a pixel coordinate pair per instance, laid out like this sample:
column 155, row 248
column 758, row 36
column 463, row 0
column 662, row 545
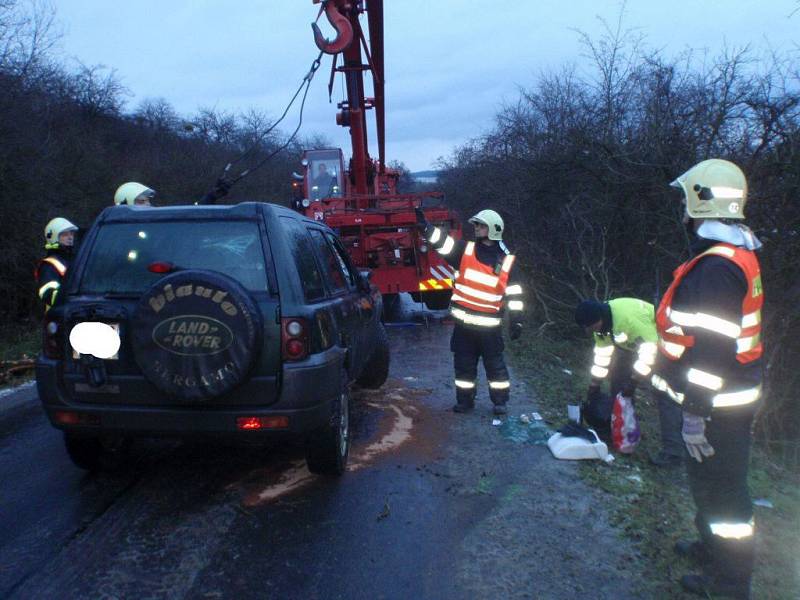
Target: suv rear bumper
column 307, row 393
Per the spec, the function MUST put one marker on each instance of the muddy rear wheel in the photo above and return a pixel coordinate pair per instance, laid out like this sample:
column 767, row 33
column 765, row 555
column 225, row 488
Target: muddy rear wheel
column 327, row 448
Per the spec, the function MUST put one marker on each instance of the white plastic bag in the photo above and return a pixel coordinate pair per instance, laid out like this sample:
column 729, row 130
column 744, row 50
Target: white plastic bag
column 576, row 448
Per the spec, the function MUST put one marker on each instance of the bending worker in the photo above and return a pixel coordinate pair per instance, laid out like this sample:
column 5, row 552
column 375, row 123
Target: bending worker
column 59, row 236
column 709, row 325
column 484, row 289
column 629, row 324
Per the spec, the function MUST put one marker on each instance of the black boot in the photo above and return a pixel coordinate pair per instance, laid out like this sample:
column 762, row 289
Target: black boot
column 662, row 459
column 500, row 409
column 462, row 408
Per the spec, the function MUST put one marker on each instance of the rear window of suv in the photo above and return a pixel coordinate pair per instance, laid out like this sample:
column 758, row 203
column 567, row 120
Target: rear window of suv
column 122, row 252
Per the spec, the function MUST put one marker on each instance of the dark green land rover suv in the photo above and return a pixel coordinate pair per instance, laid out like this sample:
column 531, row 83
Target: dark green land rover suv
column 245, row 320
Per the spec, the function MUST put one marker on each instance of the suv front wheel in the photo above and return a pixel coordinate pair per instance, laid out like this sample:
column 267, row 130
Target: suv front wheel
column 327, row 447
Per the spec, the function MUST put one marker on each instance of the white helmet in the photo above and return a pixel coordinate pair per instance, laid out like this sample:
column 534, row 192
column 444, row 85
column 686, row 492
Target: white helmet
column 129, row 192
column 714, row 189
column 54, row 229
column 492, row 220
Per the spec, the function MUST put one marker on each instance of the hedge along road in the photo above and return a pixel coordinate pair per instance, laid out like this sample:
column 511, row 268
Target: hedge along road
column 434, row 505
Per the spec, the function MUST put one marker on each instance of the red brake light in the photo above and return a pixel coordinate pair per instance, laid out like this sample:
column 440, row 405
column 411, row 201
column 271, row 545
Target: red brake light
column 262, row 422
column 160, row 267
column 294, row 338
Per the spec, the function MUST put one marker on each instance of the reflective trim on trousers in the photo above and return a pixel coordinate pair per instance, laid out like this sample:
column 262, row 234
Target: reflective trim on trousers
column 499, row 385
column 733, row 531
column 599, row 372
column 469, row 319
column 514, row 290
column 465, row 385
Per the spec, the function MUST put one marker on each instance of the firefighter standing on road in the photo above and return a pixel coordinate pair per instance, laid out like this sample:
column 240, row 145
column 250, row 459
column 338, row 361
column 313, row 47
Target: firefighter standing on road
column 709, row 325
column 484, row 288
column 629, row 324
column 59, row 236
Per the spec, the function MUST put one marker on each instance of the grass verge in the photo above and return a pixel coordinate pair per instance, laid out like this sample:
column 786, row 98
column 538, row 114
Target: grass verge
column 19, row 341
column 652, row 507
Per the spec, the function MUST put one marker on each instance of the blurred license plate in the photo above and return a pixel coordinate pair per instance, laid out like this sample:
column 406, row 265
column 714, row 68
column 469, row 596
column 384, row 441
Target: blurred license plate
column 115, row 326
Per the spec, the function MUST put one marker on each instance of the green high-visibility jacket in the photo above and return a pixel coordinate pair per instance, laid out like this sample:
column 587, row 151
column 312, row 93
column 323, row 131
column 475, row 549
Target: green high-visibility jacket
column 633, row 329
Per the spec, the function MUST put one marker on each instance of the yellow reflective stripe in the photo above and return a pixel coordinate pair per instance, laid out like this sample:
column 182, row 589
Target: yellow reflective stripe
column 50, row 285
column 727, row 193
column 434, row 284
column 422, row 287
column 456, row 298
column 733, row 531
column 602, row 360
column 465, row 385
column 661, row 384
column 499, row 385
column 704, row 379
column 435, row 236
column 479, row 277
column 673, row 349
column 478, row 293
column 479, row 320
column 599, row 372
column 469, row 249
column 647, row 352
column 604, row 350
column 722, row 250
column 642, row 368
column 514, row 290
column 515, row 305
column 748, row 343
column 751, row 319
column 737, row 398
column 447, row 246
column 705, row 321
column 56, row 264
column 507, row 262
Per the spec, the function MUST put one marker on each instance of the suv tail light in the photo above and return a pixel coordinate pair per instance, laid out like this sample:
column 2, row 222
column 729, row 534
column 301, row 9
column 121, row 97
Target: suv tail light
column 52, row 339
column 294, row 338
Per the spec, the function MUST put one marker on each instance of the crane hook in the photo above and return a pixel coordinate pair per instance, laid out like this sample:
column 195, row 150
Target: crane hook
column 344, row 31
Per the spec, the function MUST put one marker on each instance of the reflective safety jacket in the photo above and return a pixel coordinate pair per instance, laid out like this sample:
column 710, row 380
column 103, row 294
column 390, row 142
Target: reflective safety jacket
column 485, row 284
column 50, row 274
column 709, row 325
column 633, row 329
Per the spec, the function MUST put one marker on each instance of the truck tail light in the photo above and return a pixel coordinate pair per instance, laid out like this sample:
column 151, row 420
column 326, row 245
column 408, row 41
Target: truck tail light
column 52, row 339
column 294, row 338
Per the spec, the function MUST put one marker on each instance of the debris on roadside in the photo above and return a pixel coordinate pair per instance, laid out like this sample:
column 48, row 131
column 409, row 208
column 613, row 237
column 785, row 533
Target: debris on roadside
column 496, row 422
column 567, row 371
column 386, row 510
column 763, row 502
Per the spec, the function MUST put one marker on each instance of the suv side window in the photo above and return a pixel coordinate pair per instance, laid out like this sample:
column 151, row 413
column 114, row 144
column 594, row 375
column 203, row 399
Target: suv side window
column 344, row 259
column 303, row 254
column 331, row 262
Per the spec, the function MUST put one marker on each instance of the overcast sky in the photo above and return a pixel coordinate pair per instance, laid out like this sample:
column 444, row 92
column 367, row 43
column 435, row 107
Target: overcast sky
column 450, row 64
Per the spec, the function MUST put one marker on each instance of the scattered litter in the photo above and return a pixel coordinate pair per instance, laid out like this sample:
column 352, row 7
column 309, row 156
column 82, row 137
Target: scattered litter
column 385, row 512
column 567, row 371
column 536, row 416
column 573, row 447
column 763, row 502
column 524, row 418
column 410, row 378
column 524, row 431
column 496, row 422
column 635, row 478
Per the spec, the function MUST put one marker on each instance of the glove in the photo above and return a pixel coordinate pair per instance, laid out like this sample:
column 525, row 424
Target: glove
column 222, row 187
column 515, row 330
column 694, row 436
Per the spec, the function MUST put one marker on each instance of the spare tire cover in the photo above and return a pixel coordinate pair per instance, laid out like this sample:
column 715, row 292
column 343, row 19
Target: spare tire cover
column 196, row 334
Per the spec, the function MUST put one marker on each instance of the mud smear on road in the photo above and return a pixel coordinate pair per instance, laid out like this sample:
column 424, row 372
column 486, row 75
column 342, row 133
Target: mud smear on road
column 382, row 421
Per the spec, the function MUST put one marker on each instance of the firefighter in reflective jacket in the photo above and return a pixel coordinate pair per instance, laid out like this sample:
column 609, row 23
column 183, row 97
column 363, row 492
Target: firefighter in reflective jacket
column 484, row 289
column 629, row 325
column 709, row 325
column 59, row 236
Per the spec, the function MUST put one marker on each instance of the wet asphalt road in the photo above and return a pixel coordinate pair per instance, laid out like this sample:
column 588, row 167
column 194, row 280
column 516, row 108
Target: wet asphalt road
column 434, row 505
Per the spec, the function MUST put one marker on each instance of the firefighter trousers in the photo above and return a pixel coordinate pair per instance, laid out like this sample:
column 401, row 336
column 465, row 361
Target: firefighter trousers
column 719, row 487
column 469, row 344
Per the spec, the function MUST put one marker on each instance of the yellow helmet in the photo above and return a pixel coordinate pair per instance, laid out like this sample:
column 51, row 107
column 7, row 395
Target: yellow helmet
column 492, row 220
column 714, row 189
column 55, row 228
column 129, row 192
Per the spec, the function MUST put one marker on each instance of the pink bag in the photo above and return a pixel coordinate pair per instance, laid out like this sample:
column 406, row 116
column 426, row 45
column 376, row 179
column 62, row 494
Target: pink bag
column 625, row 432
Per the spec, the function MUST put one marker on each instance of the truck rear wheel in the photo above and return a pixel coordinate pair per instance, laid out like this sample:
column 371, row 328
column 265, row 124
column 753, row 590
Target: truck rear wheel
column 328, row 447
